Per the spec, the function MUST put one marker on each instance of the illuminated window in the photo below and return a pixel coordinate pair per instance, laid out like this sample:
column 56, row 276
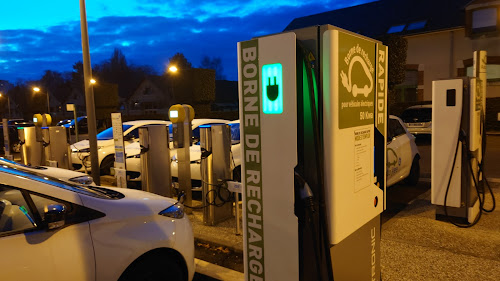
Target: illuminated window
column 492, row 72
column 396, row 28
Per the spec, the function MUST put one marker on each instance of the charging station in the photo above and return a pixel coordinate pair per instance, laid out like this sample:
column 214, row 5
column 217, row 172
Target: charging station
column 181, row 116
column 313, row 114
column 458, row 142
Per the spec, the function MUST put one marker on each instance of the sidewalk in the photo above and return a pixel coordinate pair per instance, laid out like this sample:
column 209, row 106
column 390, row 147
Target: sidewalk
column 415, row 246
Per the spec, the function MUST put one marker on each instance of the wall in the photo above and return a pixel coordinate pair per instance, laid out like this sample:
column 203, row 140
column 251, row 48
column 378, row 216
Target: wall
column 442, row 53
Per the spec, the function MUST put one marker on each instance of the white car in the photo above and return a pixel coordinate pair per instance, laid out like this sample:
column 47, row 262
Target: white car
column 418, row 119
column 58, row 231
column 80, row 151
column 402, row 154
column 133, row 150
column 58, row 173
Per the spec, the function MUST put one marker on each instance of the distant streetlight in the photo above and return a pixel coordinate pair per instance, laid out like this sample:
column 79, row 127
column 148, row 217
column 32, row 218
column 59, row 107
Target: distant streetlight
column 92, row 81
column 8, row 103
column 36, row 90
column 173, row 69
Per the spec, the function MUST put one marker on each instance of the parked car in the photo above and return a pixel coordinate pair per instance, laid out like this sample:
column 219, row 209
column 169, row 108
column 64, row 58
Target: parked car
column 81, row 123
column 21, row 122
column 58, row 231
column 402, row 154
column 80, row 151
column 58, row 173
column 418, row 119
column 63, row 122
column 133, row 151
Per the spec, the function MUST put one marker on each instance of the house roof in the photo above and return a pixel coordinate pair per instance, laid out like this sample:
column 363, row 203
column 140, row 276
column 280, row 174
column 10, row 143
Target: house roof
column 375, row 19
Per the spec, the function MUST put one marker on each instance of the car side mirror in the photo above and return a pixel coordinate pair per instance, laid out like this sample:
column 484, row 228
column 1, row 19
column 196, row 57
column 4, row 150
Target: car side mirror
column 55, row 216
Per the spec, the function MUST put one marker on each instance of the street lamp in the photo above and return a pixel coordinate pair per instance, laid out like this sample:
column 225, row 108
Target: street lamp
column 92, row 81
column 172, row 69
column 36, row 90
column 8, row 103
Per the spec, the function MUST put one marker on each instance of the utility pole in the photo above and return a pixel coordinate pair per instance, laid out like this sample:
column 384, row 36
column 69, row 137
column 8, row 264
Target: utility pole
column 89, row 96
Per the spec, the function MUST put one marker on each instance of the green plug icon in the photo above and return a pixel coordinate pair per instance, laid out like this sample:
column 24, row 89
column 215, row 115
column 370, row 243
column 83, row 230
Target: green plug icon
column 272, row 90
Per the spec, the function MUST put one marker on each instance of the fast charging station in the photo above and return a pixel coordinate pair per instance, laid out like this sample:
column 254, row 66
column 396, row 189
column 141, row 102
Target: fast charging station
column 313, row 114
column 458, row 142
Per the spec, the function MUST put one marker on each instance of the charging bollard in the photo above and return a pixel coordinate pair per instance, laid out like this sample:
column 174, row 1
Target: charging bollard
column 6, row 139
column 155, row 160
column 181, row 116
column 59, row 153
column 31, row 149
column 215, row 142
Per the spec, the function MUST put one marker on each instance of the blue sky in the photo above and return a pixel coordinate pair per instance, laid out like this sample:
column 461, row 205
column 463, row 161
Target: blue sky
column 40, row 35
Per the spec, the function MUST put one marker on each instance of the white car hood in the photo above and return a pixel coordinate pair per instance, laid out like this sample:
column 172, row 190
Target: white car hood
column 84, row 144
column 58, row 173
column 135, row 203
column 194, row 153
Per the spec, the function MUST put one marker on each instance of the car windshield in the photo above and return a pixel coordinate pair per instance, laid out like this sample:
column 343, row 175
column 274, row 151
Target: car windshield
column 108, row 133
column 235, row 133
column 89, row 190
column 414, row 115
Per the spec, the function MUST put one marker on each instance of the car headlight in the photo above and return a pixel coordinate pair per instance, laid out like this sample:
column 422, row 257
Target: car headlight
column 175, row 211
column 84, row 150
column 83, row 180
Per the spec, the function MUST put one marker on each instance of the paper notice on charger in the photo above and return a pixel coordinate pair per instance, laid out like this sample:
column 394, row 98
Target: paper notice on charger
column 362, row 159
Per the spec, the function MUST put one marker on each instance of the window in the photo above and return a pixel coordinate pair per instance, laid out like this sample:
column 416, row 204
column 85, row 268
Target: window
column 492, row 72
column 395, row 128
column 396, row 28
column 15, row 214
column 416, row 25
column 108, row 133
column 42, row 203
column 484, row 19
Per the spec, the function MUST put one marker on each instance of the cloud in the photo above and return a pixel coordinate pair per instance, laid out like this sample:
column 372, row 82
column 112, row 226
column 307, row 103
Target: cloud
column 194, row 29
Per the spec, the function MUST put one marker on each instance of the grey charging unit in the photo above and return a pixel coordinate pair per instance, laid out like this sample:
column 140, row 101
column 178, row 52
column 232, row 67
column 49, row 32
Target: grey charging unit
column 57, row 147
column 6, row 140
column 181, row 116
column 155, row 160
column 215, row 142
column 31, row 148
column 313, row 125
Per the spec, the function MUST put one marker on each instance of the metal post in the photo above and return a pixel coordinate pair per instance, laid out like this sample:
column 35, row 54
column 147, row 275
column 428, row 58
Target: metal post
column 8, row 105
column 48, row 103
column 184, row 162
column 89, row 96
column 76, row 126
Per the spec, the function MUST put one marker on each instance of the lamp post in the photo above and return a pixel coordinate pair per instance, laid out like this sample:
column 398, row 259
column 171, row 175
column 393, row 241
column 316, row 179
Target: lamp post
column 36, row 90
column 8, row 103
column 173, row 69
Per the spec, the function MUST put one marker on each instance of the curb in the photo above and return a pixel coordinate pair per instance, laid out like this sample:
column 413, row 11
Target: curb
column 216, row 271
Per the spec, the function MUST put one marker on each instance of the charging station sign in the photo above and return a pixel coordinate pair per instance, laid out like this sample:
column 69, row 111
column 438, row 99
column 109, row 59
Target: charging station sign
column 357, row 73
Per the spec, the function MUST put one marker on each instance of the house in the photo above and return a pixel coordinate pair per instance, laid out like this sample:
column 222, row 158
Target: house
column 442, row 36
column 153, row 96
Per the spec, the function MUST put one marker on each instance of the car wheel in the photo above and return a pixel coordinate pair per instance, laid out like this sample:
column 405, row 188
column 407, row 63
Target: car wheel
column 414, row 175
column 154, row 269
column 106, row 164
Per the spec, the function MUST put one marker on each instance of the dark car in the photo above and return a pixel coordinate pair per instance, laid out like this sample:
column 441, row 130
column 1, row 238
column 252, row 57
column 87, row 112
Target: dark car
column 82, row 125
